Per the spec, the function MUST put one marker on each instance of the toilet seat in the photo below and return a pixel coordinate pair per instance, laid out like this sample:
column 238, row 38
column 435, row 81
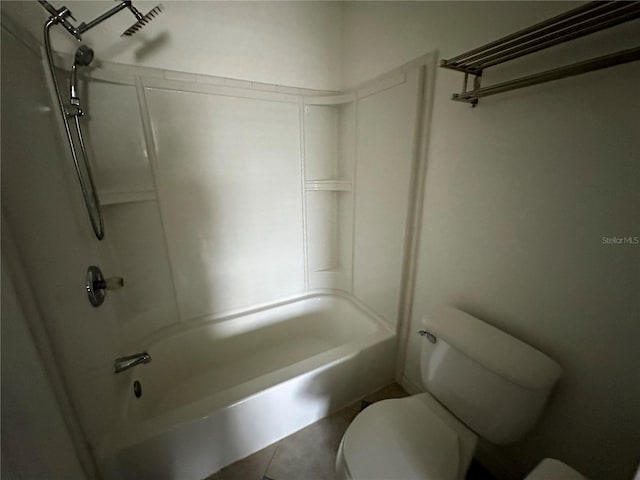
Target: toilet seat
column 550, row 468
column 405, row 438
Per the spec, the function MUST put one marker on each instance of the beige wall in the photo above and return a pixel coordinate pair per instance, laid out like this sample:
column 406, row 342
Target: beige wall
column 519, row 193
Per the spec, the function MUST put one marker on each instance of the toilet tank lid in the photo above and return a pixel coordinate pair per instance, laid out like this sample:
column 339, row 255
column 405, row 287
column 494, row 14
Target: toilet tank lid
column 494, row 349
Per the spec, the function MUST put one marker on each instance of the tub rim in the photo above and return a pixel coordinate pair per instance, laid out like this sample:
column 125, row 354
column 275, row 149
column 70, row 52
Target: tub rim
column 189, row 325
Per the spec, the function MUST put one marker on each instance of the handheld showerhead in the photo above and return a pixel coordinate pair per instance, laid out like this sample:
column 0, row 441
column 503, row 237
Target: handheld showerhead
column 142, row 19
column 83, row 57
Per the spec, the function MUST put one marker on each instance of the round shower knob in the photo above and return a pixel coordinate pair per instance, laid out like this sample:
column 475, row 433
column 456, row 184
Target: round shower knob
column 97, row 285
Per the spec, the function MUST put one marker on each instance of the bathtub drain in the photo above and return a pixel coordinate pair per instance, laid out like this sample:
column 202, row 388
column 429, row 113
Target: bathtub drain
column 137, row 389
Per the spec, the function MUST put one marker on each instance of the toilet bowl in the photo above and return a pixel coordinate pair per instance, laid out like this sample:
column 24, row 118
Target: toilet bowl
column 371, row 451
column 480, row 382
column 407, row 438
column 552, row 469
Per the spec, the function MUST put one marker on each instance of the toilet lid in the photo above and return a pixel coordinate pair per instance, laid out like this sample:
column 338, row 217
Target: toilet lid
column 400, row 439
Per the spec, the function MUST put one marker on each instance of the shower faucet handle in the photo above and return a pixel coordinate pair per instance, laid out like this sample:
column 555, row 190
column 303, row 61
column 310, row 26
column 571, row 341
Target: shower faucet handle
column 97, row 285
column 112, row 283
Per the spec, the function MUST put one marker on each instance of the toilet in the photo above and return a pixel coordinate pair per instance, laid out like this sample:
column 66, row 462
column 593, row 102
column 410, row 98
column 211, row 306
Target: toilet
column 480, row 382
column 552, row 469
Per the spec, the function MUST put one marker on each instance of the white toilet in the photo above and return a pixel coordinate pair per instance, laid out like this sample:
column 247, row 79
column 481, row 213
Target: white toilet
column 480, row 382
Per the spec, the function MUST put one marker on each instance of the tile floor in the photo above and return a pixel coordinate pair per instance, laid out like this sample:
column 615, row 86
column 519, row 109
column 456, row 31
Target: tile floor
column 310, row 453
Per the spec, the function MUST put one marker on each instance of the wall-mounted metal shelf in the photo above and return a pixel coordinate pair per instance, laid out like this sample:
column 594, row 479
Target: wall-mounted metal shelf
column 578, row 22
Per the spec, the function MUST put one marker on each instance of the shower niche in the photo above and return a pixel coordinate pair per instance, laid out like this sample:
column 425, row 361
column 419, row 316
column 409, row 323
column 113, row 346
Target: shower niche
column 329, row 164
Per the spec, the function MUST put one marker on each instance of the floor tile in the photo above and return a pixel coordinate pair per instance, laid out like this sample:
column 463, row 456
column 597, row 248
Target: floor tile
column 251, row 468
column 311, row 452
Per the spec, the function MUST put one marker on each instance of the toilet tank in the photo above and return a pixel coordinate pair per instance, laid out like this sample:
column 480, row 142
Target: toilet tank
column 494, row 383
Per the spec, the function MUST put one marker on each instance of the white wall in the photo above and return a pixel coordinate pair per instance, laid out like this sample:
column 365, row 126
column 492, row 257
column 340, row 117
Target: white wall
column 35, row 440
column 519, row 193
column 284, row 43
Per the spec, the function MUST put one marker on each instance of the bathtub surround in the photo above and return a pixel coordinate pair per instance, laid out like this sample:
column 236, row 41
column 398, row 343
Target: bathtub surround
column 287, row 227
column 273, row 176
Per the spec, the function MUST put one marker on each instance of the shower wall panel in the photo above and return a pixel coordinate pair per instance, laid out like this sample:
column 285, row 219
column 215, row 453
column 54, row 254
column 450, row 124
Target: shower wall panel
column 115, row 137
column 134, row 246
column 229, row 182
column 137, row 252
column 386, row 133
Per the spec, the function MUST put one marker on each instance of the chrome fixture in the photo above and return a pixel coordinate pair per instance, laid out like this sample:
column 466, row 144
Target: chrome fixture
column 87, row 185
column 142, row 20
column 583, row 20
column 83, row 57
column 96, row 285
column 125, row 363
column 61, row 16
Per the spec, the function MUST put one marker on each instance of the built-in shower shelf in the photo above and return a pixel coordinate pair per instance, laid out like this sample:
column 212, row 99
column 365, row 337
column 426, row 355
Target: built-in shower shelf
column 328, row 185
column 118, row 198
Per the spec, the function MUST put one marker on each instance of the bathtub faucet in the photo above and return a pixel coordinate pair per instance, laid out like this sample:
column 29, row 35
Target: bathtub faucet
column 125, row 363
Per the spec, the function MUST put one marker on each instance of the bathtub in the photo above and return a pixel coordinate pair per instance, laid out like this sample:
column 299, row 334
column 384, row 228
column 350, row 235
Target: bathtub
column 226, row 388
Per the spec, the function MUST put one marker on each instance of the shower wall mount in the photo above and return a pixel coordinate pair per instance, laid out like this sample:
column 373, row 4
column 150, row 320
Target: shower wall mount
column 97, row 285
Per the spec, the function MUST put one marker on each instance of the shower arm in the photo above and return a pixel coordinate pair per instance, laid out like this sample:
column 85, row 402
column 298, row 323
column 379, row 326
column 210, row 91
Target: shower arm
column 60, row 16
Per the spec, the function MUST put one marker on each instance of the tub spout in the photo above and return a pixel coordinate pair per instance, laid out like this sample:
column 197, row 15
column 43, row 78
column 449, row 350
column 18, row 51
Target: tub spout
column 125, row 363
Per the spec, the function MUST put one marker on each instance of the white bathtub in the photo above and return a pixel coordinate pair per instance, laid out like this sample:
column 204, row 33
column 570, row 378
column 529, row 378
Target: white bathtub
column 221, row 391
